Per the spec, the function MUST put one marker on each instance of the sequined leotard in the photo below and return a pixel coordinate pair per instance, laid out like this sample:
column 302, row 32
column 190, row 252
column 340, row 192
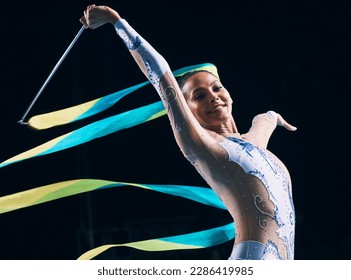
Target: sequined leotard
column 254, row 185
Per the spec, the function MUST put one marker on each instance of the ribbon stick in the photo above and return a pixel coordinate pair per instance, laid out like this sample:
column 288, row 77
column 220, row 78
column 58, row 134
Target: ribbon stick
column 22, row 120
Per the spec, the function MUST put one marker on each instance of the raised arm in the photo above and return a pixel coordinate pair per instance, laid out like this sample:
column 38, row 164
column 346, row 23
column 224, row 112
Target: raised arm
column 187, row 130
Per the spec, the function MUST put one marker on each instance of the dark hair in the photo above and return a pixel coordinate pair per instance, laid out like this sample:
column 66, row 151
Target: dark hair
column 183, row 79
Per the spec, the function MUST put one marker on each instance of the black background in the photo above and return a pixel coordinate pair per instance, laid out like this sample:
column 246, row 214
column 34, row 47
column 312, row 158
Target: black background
column 287, row 56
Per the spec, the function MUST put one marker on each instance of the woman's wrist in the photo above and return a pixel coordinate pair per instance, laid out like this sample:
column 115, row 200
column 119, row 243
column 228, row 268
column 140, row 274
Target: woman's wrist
column 111, row 15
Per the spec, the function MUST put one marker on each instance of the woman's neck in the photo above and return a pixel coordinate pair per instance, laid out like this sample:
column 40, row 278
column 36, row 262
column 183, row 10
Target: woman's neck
column 227, row 129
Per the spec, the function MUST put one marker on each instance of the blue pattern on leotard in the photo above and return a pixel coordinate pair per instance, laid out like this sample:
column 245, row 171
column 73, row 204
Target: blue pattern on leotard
column 263, row 165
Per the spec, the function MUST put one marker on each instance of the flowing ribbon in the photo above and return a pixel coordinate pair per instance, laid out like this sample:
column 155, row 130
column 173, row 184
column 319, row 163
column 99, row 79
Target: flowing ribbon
column 98, row 105
column 92, row 131
column 99, row 128
column 196, row 240
column 81, row 111
column 68, row 188
column 201, row 239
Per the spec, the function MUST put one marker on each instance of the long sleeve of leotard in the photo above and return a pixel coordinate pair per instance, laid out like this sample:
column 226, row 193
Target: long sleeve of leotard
column 189, row 134
column 262, row 128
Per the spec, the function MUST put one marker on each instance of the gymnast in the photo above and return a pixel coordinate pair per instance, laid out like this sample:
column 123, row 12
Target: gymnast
column 254, row 184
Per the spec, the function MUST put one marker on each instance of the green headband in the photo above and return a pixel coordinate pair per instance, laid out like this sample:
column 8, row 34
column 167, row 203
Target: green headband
column 201, row 67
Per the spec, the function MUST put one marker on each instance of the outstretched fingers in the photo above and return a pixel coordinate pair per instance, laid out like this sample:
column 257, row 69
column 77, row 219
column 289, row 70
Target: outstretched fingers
column 284, row 123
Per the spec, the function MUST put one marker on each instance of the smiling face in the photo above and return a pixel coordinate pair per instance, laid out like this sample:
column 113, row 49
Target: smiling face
column 208, row 100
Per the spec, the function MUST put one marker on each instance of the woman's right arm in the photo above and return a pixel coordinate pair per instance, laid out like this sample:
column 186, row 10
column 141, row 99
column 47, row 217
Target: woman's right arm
column 188, row 132
column 152, row 64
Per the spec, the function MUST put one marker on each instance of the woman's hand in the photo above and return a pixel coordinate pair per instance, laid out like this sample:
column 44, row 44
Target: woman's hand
column 284, row 123
column 95, row 16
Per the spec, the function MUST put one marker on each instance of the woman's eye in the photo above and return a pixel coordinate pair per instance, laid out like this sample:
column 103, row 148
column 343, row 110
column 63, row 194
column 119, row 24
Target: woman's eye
column 218, row 88
column 198, row 97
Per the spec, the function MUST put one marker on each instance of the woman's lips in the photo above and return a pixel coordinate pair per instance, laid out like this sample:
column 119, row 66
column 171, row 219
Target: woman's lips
column 216, row 108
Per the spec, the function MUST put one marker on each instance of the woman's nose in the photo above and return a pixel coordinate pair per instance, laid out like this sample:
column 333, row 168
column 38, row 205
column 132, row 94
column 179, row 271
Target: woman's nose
column 214, row 97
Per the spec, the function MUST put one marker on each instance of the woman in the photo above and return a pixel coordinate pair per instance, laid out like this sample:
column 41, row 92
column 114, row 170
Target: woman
column 254, row 184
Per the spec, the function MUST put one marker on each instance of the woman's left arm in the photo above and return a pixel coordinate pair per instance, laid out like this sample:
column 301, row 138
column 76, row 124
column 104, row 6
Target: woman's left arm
column 263, row 126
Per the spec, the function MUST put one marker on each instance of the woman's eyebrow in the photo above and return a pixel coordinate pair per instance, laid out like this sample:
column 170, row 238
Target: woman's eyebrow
column 201, row 88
